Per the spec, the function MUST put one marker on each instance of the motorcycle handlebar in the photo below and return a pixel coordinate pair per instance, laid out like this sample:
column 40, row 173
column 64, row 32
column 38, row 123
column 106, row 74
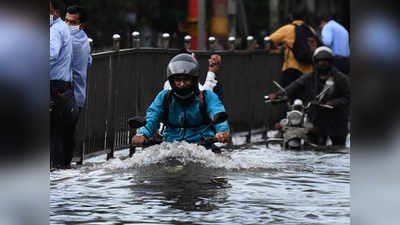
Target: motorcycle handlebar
column 319, row 104
column 205, row 141
column 276, row 100
column 147, row 143
column 208, row 141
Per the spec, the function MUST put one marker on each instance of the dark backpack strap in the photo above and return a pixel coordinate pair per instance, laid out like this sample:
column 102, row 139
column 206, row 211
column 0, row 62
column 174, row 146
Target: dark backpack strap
column 203, row 108
column 166, row 103
column 203, row 111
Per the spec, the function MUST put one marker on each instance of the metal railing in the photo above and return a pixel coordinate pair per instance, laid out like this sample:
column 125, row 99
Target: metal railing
column 123, row 82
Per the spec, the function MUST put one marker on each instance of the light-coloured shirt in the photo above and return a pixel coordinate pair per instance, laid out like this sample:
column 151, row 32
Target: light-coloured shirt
column 286, row 35
column 60, row 51
column 209, row 83
column 336, row 37
column 81, row 59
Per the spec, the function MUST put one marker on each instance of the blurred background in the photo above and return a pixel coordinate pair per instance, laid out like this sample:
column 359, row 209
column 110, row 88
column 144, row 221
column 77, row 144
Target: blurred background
column 199, row 19
column 24, row 43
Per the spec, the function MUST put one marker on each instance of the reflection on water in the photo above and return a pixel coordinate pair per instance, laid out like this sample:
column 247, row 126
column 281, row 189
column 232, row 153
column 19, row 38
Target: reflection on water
column 254, row 185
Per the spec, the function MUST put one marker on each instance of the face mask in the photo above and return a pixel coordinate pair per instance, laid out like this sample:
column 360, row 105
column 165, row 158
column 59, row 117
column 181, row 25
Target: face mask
column 74, row 28
column 51, row 19
column 184, row 96
column 323, row 71
column 184, row 91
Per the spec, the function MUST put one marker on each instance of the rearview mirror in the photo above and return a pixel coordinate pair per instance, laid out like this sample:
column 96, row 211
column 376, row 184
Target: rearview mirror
column 219, row 117
column 136, row 122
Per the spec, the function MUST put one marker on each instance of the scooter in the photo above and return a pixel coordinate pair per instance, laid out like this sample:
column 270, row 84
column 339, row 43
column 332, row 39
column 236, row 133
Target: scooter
column 207, row 141
column 294, row 130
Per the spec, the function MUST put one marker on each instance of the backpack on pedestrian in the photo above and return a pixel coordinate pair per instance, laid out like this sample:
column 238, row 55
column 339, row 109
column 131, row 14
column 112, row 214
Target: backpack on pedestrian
column 301, row 49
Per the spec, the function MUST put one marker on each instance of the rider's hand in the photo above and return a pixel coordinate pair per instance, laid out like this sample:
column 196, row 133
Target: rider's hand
column 329, row 103
column 222, row 136
column 138, row 139
column 272, row 97
column 278, row 126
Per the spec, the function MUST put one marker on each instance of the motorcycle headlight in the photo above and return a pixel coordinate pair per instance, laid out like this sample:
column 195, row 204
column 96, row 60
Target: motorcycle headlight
column 295, row 117
column 284, row 122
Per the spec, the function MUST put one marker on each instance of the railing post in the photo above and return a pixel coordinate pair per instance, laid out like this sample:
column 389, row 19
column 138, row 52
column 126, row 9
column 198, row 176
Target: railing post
column 165, row 40
column 267, row 43
column 249, row 39
column 187, row 41
column 211, row 43
column 82, row 153
column 116, row 42
column 231, row 41
column 135, row 39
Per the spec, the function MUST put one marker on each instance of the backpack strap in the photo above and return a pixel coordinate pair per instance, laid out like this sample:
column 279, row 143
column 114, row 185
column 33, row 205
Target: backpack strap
column 166, row 103
column 203, row 111
column 203, row 108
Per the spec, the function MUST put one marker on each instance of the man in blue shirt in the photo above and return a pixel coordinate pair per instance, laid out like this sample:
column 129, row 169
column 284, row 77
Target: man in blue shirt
column 81, row 57
column 63, row 110
column 336, row 37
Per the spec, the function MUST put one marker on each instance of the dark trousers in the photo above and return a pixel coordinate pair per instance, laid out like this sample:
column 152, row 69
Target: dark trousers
column 333, row 124
column 63, row 117
column 339, row 140
column 342, row 64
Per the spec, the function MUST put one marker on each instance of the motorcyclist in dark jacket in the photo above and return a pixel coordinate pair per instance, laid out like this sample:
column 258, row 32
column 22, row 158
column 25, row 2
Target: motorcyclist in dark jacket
column 331, row 123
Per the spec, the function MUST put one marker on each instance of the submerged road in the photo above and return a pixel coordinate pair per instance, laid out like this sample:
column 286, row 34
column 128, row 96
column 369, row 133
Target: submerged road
column 250, row 185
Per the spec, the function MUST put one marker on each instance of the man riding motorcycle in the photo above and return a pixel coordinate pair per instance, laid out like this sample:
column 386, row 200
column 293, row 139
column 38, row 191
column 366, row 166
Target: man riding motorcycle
column 333, row 122
column 185, row 110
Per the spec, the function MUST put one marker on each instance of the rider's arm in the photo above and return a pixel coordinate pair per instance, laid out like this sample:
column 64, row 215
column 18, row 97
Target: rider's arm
column 153, row 116
column 214, row 106
column 343, row 86
column 210, row 82
column 296, row 87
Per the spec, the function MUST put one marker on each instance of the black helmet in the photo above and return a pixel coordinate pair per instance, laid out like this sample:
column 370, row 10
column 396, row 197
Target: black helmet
column 322, row 53
column 184, row 65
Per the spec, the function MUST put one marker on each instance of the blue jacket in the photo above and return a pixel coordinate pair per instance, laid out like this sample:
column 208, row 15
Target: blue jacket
column 183, row 116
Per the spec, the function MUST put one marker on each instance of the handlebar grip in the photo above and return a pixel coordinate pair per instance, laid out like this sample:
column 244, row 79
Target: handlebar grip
column 326, row 106
column 208, row 141
column 146, row 144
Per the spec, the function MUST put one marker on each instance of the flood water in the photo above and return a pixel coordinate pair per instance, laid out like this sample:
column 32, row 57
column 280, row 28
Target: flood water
column 248, row 185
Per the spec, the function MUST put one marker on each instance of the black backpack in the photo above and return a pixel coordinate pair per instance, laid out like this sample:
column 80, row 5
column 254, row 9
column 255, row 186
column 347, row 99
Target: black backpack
column 301, row 49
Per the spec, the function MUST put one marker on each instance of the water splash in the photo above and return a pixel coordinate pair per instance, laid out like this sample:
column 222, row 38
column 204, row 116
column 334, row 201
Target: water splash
column 187, row 153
